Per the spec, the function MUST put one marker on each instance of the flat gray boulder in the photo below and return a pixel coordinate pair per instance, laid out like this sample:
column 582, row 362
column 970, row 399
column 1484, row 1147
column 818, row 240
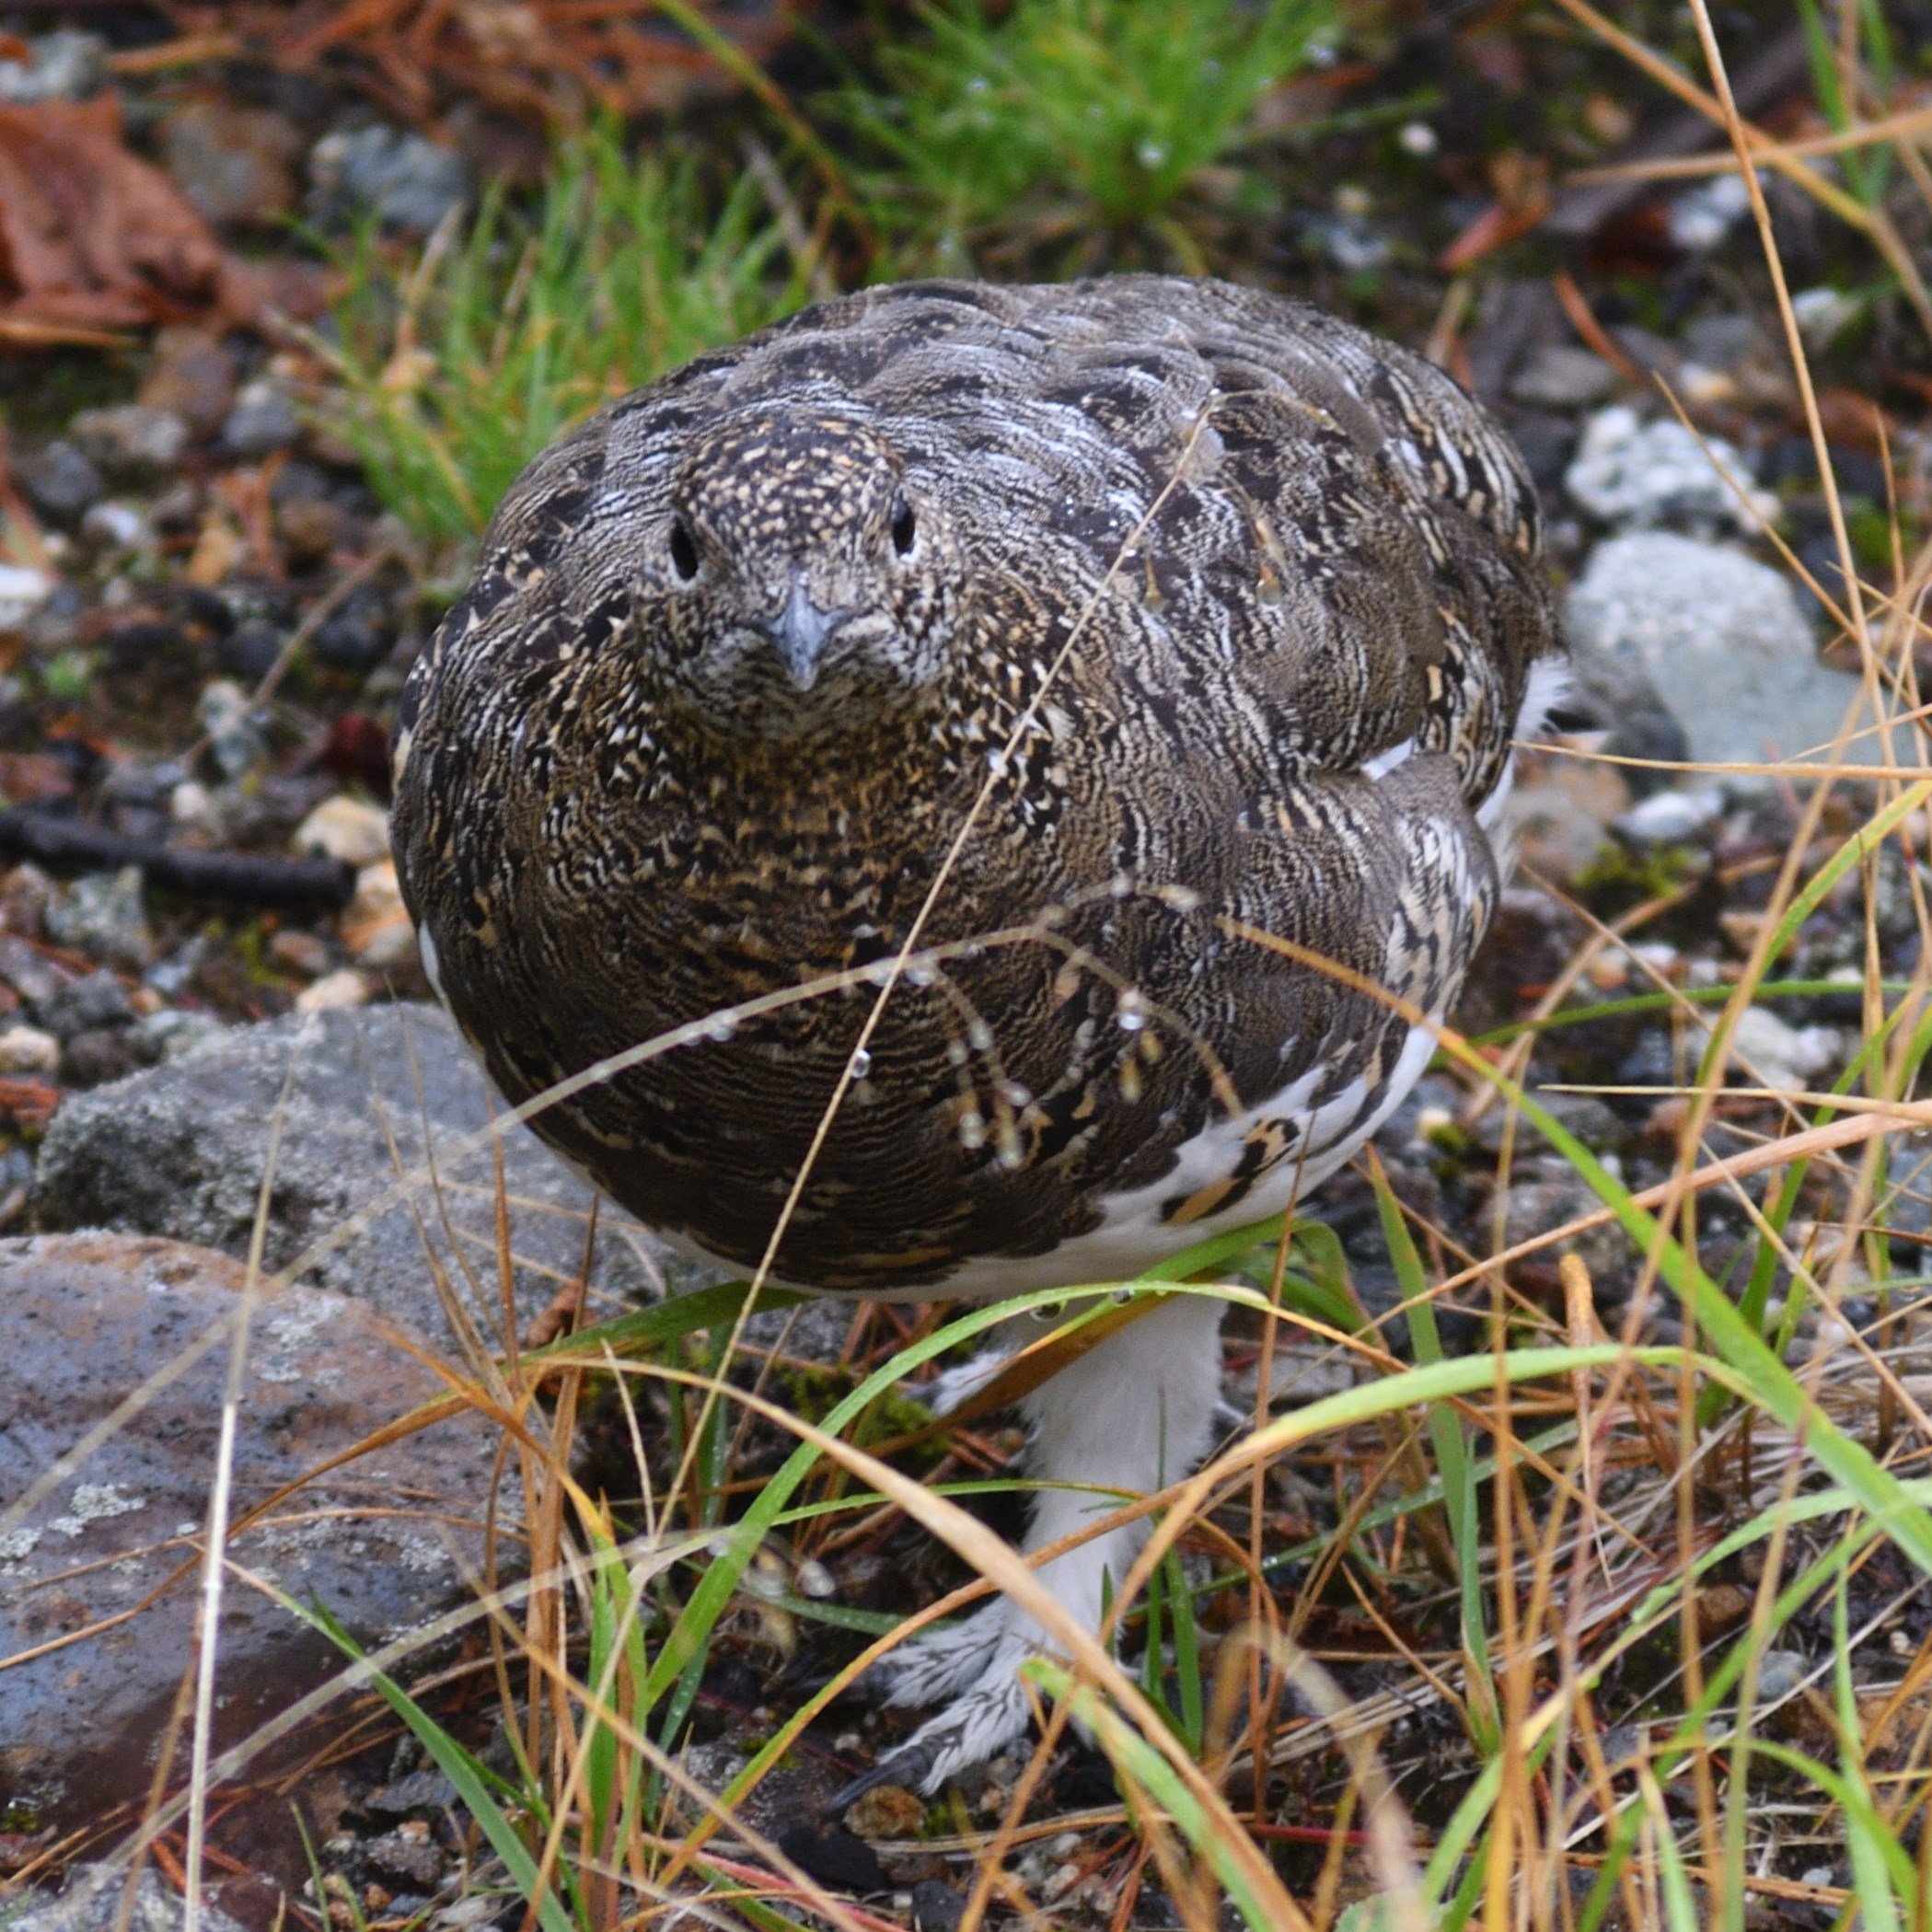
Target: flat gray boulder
column 1719, row 639
column 372, row 1094
column 101, row 1570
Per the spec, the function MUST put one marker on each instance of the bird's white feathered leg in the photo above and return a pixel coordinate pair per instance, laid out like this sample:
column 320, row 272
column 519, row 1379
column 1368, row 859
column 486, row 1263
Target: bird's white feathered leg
column 1132, row 1415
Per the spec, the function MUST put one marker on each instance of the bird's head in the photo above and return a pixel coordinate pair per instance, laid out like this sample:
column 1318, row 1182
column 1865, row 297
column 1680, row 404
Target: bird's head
column 799, row 575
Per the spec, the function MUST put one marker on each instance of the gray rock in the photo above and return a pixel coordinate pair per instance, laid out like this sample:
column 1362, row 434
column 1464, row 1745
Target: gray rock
column 64, row 65
column 1719, row 637
column 385, row 1542
column 406, row 181
column 180, row 1150
column 115, row 526
column 1638, row 475
column 168, row 1035
column 84, row 1006
column 60, row 482
column 104, row 915
column 260, row 423
column 33, row 977
column 1561, row 814
column 1532, row 1207
column 226, row 715
column 1779, row 1674
column 130, row 441
column 1582, row 1115
column 235, row 163
column 1560, row 375
column 1701, row 216
column 1727, row 343
column 1787, row 1059
column 936, row 1907
column 1671, row 817
column 90, row 1901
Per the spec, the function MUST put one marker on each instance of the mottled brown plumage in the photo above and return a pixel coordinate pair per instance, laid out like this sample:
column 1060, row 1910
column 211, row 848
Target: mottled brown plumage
column 1237, row 610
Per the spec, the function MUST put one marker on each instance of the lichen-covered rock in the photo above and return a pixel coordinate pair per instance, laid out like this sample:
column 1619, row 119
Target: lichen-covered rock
column 1720, row 639
column 99, row 1574
column 91, row 1900
column 371, row 1095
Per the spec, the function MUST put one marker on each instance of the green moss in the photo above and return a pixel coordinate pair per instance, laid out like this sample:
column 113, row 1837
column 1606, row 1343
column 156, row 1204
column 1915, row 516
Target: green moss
column 1073, row 109
column 462, row 367
column 1620, row 877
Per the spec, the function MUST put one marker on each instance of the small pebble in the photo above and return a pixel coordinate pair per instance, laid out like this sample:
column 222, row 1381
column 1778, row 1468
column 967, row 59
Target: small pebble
column 301, row 952
column 404, row 180
column 91, row 1060
column 61, row 484
column 376, row 928
column 260, row 423
column 357, row 636
column 193, row 805
column 168, row 1035
column 130, row 442
column 79, row 1006
column 22, row 592
column 191, row 372
column 1786, row 1058
column 1560, row 376
column 936, row 1907
column 334, row 991
column 114, row 527
column 66, row 64
column 1701, row 216
column 103, row 914
column 28, row 1049
column 249, row 651
column 346, row 828
column 223, row 711
column 1637, row 475
column 1059, row 1882
column 1669, row 817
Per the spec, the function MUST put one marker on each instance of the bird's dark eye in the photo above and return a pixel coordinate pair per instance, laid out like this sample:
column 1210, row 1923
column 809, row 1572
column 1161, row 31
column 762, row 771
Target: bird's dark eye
column 905, row 527
column 684, row 550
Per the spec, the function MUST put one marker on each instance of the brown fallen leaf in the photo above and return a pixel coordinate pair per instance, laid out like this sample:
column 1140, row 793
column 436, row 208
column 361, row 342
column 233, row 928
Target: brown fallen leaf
column 93, row 239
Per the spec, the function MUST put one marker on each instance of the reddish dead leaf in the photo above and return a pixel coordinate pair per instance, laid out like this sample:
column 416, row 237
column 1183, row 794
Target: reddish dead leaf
column 1854, row 421
column 94, row 240
column 34, row 777
column 1523, row 198
column 358, row 749
column 534, row 59
column 30, row 1102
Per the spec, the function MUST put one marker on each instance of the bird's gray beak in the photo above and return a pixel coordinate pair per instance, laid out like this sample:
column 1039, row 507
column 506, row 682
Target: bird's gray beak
column 799, row 631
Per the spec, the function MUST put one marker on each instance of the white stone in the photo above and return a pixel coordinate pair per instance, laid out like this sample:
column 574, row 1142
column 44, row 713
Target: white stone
column 26, row 1049
column 1785, row 1058
column 347, row 829
column 1701, row 216
column 1669, row 817
column 1636, row 475
column 22, row 592
column 346, row 988
column 1721, row 640
column 115, row 526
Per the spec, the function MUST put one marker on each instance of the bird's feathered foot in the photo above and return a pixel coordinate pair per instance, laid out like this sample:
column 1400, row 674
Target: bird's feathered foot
column 1131, row 1415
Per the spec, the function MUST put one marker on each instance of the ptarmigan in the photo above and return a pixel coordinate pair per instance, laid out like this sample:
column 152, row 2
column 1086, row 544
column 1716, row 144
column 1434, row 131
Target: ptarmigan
column 1141, row 614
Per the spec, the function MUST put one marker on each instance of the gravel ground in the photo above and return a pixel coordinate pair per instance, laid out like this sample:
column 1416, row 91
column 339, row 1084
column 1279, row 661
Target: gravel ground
column 207, row 619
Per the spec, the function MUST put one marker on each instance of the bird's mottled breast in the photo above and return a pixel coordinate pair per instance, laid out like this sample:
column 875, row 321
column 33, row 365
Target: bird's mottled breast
column 1210, row 554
